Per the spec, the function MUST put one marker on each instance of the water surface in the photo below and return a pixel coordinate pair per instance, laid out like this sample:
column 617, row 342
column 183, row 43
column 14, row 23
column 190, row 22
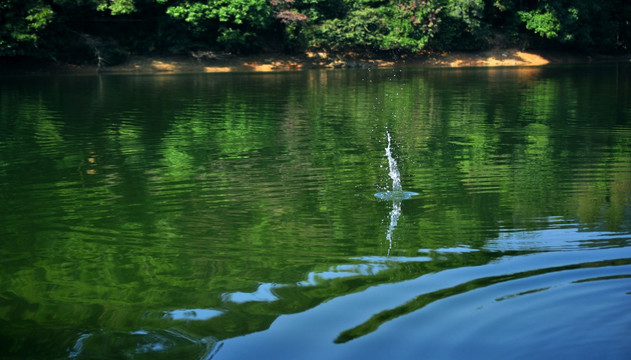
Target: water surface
column 234, row 216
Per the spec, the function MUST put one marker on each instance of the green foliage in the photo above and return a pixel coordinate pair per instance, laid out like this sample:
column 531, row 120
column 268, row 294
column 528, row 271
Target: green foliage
column 231, row 22
column 253, row 13
column 583, row 23
column 117, row 7
column 22, row 23
column 361, row 28
column 413, row 24
column 545, row 24
column 469, row 12
column 54, row 28
column 293, row 18
column 395, row 26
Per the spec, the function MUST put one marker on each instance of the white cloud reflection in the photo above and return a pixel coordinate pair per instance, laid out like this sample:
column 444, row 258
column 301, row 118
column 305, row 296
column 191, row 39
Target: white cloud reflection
column 264, row 293
column 192, row 314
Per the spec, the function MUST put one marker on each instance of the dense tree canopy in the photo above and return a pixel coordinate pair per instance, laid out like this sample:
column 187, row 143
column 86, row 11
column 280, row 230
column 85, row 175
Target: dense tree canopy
column 77, row 29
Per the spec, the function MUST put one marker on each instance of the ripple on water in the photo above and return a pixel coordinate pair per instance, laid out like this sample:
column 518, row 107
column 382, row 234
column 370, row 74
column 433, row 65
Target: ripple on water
column 140, row 344
column 544, row 305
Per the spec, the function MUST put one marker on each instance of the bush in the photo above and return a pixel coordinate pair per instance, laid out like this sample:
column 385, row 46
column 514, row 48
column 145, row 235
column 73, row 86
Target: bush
column 405, row 26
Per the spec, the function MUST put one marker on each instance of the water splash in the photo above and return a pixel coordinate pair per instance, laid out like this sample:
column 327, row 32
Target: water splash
column 394, row 173
column 397, row 193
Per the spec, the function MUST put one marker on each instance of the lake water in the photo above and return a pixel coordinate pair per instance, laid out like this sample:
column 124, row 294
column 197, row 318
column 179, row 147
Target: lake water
column 234, row 216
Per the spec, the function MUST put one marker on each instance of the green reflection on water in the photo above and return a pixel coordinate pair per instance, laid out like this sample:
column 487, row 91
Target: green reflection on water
column 125, row 197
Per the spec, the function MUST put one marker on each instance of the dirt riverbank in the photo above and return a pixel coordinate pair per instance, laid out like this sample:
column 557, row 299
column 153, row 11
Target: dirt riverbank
column 209, row 62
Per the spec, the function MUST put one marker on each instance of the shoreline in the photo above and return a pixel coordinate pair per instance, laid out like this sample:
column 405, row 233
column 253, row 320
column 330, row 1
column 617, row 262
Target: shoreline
column 209, row 62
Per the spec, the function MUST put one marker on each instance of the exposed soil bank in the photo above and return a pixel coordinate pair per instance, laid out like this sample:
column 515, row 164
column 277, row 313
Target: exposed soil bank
column 208, row 62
